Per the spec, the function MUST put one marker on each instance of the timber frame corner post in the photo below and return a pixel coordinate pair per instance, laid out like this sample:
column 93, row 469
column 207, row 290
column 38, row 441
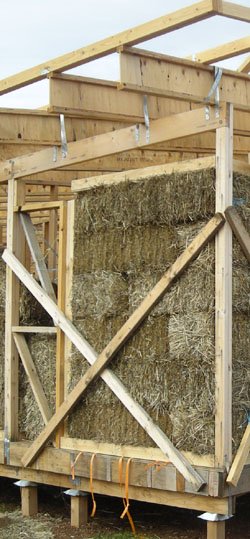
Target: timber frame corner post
column 15, row 242
column 223, row 297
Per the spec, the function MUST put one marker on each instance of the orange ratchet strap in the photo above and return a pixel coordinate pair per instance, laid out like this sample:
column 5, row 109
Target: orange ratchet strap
column 91, row 484
column 73, row 465
column 126, row 498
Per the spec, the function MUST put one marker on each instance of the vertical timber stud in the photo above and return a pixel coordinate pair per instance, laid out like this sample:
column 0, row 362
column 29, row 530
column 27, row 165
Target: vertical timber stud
column 68, row 293
column 29, row 498
column 223, row 297
column 60, row 341
column 216, row 530
column 16, row 243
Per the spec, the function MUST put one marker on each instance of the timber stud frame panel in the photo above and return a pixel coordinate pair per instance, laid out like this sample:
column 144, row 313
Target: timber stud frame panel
column 206, row 482
column 19, row 221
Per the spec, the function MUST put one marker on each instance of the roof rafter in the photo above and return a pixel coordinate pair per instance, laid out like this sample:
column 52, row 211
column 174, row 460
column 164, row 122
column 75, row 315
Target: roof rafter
column 162, row 25
column 223, row 52
column 245, row 66
column 232, row 11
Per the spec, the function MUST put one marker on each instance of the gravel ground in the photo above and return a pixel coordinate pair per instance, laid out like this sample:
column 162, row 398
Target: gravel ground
column 151, row 521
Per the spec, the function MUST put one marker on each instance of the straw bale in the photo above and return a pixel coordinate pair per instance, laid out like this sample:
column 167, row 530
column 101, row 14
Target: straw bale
column 241, row 375
column 31, row 311
column 141, row 368
column 43, row 350
column 124, row 250
column 160, row 200
column 100, row 293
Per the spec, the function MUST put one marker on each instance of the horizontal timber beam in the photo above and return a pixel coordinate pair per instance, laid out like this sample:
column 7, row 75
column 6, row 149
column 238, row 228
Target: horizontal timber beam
column 127, row 451
column 183, row 500
column 181, row 125
column 84, row 184
column 158, row 74
column 162, row 25
column 232, row 11
column 143, row 471
column 223, row 52
column 136, row 175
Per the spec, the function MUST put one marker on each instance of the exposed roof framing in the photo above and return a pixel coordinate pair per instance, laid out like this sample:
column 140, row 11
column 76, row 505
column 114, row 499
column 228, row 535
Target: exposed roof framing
column 223, row 52
column 162, row 25
column 245, row 66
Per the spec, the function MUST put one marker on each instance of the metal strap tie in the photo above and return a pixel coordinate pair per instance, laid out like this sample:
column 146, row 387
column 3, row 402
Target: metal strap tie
column 54, row 154
column 137, row 133
column 146, row 118
column 6, row 450
column 64, row 145
column 215, row 89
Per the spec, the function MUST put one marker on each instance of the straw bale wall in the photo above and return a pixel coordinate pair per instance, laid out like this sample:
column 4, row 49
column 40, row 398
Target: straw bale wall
column 43, row 352
column 125, row 237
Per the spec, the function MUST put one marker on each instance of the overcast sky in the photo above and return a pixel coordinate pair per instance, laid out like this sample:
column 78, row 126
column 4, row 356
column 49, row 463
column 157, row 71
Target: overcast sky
column 33, row 31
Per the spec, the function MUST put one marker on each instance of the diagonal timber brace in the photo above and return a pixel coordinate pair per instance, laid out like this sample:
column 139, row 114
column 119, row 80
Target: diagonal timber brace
column 99, row 363
column 36, row 253
column 33, row 377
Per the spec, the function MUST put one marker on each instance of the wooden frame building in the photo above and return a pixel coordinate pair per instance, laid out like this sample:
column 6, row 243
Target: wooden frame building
column 165, row 114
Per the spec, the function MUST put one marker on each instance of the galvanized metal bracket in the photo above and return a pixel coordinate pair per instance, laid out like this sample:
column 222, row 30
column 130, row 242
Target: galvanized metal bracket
column 6, row 449
column 73, row 492
column 146, row 118
column 54, row 154
column 64, row 145
column 24, row 484
column 214, row 517
column 214, row 90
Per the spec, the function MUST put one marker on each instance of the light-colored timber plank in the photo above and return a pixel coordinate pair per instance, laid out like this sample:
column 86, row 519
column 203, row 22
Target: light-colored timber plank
column 244, row 66
column 37, row 254
column 33, row 377
column 34, row 329
column 140, row 70
column 239, row 230
column 42, row 206
column 163, row 129
column 123, row 334
column 240, row 459
column 154, row 28
column 137, row 175
column 233, row 11
column 241, row 167
column 29, row 501
column 222, row 52
column 216, row 530
column 136, row 452
column 15, row 242
column 223, row 299
column 61, row 461
column 61, row 299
